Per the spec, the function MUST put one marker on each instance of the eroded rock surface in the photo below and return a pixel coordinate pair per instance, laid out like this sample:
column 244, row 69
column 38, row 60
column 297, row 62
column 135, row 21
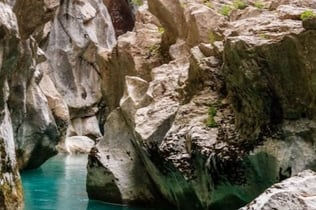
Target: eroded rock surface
column 222, row 119
column 297, row 192
column 203, row 104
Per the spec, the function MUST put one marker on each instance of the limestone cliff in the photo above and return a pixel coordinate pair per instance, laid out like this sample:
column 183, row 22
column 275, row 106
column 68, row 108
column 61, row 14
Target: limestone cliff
column 227, row 113
column 199, row 104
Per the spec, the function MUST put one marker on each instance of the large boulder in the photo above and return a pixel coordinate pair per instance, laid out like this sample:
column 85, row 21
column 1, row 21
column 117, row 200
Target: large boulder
column 115, row 171
column 297, row 192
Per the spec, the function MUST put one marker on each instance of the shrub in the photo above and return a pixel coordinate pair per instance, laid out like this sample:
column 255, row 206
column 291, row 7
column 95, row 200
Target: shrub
column 137, row 2
column 239, row 4
column 307, row 14
column 211, row 114
column 225, row 10
column 259, row 4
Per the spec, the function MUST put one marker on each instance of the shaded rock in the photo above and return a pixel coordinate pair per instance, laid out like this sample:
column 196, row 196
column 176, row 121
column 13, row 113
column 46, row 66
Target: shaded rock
column 171, row 17
column 80, row 30
column 297, row 192
column 11, row 195
column 121, row 15
column 72, row 50
column 309, row 23
column 36, row 133
column 35, row 130
column 135, row 55
column 153, row 121
column 42, row 12
column 55, row 102
column 115, row 172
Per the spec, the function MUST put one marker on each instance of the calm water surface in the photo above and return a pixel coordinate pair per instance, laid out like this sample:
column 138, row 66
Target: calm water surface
column 59, row 184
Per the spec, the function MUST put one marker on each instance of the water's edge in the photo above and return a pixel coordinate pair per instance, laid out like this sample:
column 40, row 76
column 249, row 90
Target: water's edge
column 59, row 184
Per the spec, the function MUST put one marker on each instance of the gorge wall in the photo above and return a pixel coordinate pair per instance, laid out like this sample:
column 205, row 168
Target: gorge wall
column 179, row 101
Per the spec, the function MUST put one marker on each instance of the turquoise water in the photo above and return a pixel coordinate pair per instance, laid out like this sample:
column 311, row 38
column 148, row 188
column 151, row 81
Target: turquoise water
column 59, row 184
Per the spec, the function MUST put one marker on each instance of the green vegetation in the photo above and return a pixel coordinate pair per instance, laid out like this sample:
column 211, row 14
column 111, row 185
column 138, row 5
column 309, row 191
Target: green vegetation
column 138, row 2
column 225, row 10
column 264, row 36
column 211, row 114
column 239, row 4
column 307, row 14
column 259, row 4
column 211, row 37
column 161, row 30
column 154, row 49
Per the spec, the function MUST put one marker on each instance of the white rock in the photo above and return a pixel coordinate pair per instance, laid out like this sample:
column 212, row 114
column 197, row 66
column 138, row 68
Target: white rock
column 295, row 193
column 78, row 144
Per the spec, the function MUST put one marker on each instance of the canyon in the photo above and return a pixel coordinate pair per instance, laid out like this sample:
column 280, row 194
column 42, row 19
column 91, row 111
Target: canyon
column 194, row 103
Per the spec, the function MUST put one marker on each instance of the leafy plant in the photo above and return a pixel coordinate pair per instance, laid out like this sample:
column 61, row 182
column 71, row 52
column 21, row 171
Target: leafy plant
column 259, row 4
column 225, row 10
column 239, row 4
column 138, row 2
column 212, row 111
column 307, row 14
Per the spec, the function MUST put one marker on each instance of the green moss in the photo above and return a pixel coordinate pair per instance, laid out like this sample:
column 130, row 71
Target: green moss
column 212, row 111
column 161, row 30
column 225, row 10
column 138, row 2
column 264, row 36
column 211, row 37
column 259, row 4
column 307, row 14
column 239, row 4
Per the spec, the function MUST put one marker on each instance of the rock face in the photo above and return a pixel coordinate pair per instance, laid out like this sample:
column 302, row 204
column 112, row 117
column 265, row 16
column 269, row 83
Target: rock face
column 222, row 119
column 11, row 195
column 124, row 178
column 297, row 192
column 201, row 104
column 35, row 130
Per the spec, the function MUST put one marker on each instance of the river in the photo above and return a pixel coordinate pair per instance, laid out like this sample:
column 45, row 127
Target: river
column 59, row 184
